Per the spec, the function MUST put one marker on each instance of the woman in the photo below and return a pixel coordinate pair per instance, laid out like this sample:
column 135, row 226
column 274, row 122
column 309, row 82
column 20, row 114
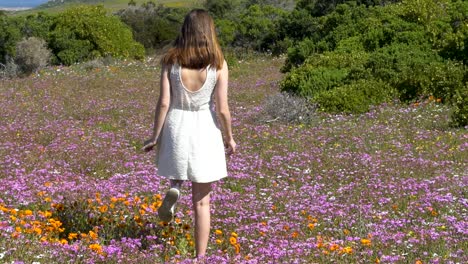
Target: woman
column 190, row 141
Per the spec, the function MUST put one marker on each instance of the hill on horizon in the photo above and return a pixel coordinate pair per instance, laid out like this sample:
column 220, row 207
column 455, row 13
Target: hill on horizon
column 56, row 6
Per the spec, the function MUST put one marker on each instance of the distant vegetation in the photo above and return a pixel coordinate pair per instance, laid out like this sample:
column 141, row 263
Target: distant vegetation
column 342, row 56
column 346, row 56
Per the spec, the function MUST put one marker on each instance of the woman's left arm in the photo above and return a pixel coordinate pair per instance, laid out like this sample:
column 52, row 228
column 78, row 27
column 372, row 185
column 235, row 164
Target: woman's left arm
column 162, row 107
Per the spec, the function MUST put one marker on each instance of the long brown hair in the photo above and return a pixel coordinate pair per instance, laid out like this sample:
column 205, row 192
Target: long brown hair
column 197, row 45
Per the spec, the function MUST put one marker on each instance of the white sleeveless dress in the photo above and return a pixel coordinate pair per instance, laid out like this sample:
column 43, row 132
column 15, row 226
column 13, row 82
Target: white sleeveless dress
column 191, row 145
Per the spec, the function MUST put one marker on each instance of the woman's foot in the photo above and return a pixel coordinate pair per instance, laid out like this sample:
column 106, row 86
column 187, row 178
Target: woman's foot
column 167, row 209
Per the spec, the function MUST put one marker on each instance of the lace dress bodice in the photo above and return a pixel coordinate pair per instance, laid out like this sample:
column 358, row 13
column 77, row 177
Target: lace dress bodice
column 184, row 99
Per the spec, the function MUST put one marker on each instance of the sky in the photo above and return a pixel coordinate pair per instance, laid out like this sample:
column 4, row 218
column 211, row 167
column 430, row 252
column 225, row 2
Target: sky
column 21, row 3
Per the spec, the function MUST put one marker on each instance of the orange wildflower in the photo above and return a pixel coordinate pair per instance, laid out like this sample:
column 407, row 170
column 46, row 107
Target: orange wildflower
column 334, row 247
column 311, row 226
column 28, row 212
column 418, row 262
column 233, row 240
column 365, row 242
column 4, row 209
column 72, row 236
column 103, row 208
column 346, row 250
column 37, row 230
column 96, row 247
column 237, row 248
column 93, row 235
column 218, row 232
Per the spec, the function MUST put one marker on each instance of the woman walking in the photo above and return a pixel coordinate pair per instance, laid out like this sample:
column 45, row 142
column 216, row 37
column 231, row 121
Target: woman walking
column 192, row 125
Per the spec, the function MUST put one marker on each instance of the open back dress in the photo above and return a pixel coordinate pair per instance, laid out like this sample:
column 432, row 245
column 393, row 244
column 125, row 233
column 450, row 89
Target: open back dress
column 191, row 144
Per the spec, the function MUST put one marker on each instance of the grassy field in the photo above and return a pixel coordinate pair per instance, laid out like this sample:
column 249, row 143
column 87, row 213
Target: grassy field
column 388, row 186
column 111, row 5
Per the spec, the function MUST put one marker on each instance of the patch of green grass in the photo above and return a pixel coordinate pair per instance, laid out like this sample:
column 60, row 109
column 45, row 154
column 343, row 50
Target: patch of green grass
column 111, row 5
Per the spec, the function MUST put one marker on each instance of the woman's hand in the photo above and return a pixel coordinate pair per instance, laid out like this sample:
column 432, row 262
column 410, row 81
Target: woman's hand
column 230, row 146
column 149, row 144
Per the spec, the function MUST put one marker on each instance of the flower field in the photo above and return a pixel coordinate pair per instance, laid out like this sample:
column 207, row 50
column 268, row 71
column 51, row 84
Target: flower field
column 384, row 187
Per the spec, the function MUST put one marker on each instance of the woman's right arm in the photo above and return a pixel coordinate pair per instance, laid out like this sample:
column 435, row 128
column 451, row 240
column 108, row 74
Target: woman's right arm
column 161, row 110
column 222, row 108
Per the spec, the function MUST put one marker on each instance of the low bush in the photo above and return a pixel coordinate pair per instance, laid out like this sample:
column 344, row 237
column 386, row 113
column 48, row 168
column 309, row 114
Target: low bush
column 32, row 54
column 459, row 116
column 416, row 71
column 288, row 108
column 322, row 72
column 9, row 69
column 87, row 32
column 153, row 25
column 356, row 97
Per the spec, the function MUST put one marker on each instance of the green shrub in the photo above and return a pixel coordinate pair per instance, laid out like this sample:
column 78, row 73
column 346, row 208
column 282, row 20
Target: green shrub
column 459, row 117
column 32, row 54
column 415, row 71
column 257, row 27
column 219, row 8
column 356, row 97
column 37, row 25
column 227, row 31
column 153, row 25
column 322, row 72
column 68, row 49
column 10, row 34
column 309, row 80
column 87, row 32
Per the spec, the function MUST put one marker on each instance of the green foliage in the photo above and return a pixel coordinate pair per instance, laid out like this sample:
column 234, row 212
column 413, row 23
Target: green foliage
column 227, row 30
column 253, row 25
column 309, row 80
column 356, row 97
column 459, row 117
column 324, row 7
column 322, row 72
column 153, row 25
column 257, row 26
column 37, row 25
column 416, row 48
column 415, row 71
column 219, row 8
column 10, row 34
column 87, row 32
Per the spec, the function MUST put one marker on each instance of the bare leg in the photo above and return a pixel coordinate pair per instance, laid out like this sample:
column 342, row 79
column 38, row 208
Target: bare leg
column 201, row 208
